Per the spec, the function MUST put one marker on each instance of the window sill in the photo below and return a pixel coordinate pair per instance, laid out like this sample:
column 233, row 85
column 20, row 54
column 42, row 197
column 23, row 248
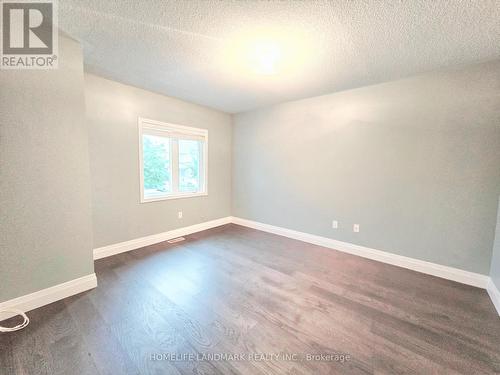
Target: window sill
column 176, row 196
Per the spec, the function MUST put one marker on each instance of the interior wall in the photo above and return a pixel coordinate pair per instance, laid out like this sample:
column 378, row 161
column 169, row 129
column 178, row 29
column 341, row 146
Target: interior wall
column 112, row 113
column 495, row 259
column 415, row 162
column 45, row 220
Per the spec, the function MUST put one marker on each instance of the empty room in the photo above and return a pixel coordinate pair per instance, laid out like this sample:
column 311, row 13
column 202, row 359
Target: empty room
column 249, row 187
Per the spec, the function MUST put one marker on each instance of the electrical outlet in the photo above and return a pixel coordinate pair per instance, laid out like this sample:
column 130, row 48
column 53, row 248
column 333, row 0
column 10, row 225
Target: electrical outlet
column 355, row 228
column 179, row 214
column 335, row 224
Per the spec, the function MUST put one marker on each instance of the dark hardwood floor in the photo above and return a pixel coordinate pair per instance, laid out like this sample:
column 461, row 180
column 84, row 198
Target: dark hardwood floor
column 181, row 308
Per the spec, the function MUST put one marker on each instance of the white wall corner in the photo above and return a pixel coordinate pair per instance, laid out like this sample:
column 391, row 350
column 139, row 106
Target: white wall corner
column 494, row 294
column 45, row 296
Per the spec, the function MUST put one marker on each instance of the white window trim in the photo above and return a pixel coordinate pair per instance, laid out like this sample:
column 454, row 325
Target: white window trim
column 186, row 131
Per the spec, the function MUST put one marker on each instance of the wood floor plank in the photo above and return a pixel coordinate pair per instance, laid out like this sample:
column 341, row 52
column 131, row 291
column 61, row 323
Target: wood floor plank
column 108, row 355
column 6, row 351
column 178, row 308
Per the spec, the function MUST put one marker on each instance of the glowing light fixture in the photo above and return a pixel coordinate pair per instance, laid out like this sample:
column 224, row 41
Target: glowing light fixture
column 267, row 52
column 265, row 57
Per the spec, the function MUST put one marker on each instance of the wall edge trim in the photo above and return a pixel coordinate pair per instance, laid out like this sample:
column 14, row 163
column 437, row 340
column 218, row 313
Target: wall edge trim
column 434, row 269
column 48, row 295
column 494, row 294
column 121, row 247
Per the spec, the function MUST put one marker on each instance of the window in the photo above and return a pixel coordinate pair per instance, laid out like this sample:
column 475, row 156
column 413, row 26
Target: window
column 173, row 161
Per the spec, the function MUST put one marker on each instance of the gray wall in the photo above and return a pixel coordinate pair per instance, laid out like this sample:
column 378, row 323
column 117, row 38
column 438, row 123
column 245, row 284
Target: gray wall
column 415, row 162
column 495, row 260
column 118, row 215
column 45, row 222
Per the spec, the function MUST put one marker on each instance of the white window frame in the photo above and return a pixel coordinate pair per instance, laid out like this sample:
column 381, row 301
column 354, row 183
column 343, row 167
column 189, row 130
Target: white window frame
column 174, row 132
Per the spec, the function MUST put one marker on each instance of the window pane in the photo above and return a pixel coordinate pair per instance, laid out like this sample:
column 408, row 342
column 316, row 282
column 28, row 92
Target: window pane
column 189, row 165
column 157, row 166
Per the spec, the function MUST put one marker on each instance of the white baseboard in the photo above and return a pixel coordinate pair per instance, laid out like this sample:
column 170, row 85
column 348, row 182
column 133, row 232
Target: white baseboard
column 121, row 247
column 445, row 272
column 450, row 273
column 45, row 296
column 494, row 295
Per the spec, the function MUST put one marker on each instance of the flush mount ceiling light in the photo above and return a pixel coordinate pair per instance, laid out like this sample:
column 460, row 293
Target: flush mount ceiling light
column 267, row 52
column 265, row 57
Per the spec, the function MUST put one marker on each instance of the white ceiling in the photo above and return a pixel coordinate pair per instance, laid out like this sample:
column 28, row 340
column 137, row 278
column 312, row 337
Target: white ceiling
column 179, row 48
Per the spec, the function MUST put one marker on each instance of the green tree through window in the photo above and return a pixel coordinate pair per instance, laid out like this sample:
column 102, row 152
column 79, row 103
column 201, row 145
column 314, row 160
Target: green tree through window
column 156, row 159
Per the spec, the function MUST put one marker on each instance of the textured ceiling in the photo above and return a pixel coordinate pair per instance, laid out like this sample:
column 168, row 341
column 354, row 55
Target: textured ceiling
column 180, row 48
